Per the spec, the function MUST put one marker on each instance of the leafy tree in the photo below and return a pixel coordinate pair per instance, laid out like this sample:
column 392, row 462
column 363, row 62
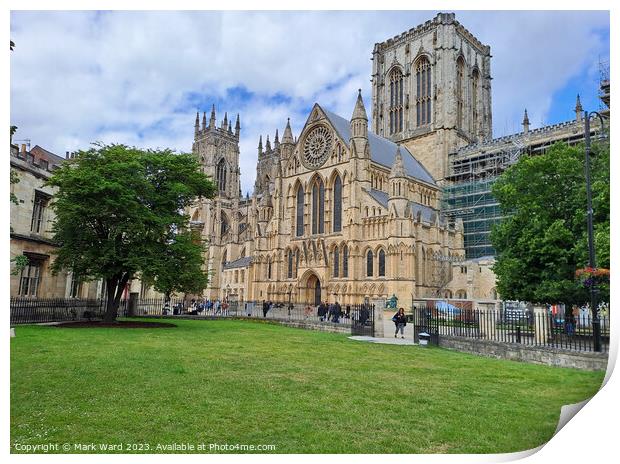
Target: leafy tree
column 543, row 239
column 180, row 267
column 118, row 210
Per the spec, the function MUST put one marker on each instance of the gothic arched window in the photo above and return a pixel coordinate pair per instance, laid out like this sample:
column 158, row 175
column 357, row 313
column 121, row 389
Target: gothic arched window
column 223, row 225
column 269, row 269
column 460, row 72
column 220, row 175
column 337, row 204
column 299, row 228
column 423, row 92
column 381, row 263
column 318, row 207
column 369, row 259
column 345, row 261
column 289, row 272
column 336, row 262
column 396, row 101
column 475, row 77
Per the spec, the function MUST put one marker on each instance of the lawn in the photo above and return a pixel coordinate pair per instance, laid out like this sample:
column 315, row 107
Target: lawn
column 250, row 383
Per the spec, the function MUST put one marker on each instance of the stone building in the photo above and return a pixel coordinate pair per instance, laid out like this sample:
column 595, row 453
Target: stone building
column 31, row 220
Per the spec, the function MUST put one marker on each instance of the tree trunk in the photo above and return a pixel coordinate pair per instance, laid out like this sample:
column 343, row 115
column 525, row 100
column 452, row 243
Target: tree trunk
column 111, row 306
column 115, row 286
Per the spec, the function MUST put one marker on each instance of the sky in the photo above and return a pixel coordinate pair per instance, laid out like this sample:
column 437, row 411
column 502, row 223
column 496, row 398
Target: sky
column 138, row 78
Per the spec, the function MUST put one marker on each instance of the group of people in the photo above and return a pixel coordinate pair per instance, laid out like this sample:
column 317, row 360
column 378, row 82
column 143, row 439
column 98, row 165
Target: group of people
column 215, row 307
column 332, row 312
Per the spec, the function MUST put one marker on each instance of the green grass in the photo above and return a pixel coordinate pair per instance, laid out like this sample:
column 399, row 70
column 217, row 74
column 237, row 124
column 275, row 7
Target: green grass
column 254, row 383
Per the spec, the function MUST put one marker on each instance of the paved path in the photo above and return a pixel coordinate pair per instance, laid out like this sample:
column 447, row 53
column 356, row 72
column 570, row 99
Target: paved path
column 385, row 340
column 389, row 327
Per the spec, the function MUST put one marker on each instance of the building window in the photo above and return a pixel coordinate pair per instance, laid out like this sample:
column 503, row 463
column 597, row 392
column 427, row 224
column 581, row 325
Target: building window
column 345, row 261
column 220, row 175
column 76, row 286
column 337, row 204
column 423, row 92
column 460, row 68
column 369, row 259
column 30, row 278
column 269, row 269
column 38, row 211
column 396, row 101
column 223, row 225
column 474, row 101
column 296, row 262
column 318, row 207
column 299, row 229
column 381, row 263
column 289, row 272
column 336, row 262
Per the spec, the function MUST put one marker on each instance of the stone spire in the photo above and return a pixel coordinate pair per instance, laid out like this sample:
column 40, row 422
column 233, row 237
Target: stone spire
column 276, row 141
column 225, row 121
column 237, row 126
column 230, row 127
column 288, row 133
column 398, row 168
column 197, row 124
column 260, row 145
column 359, row 129
column 204, row 120
column 212, row 120
column 526, row 123
column 359, row 112
column 578, row 109
column 267, row 145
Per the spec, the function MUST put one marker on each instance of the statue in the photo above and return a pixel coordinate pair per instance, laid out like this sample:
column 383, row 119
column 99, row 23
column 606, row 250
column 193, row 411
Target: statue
column 392, row 302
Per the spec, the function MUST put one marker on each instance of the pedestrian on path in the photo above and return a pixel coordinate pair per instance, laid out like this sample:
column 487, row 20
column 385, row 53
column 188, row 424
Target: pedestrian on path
column 400, row 320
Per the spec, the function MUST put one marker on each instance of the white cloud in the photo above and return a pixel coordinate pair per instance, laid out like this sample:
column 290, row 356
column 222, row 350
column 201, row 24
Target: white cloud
column 78, row 77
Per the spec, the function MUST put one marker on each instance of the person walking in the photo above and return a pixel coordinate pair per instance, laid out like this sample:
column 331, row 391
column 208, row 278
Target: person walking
column 322, row 311
column 265, row 308
column 400, row 321
column 216, row 307
column 337, row 312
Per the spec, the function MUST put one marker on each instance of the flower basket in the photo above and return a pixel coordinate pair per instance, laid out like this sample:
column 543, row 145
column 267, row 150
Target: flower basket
column 590, row 277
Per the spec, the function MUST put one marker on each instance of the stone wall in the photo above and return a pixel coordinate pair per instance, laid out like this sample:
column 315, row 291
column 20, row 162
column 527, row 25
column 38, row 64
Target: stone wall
column 537, row 355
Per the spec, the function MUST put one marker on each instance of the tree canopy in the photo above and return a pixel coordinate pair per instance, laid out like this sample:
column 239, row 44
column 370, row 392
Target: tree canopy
column 180, row 266
column 120, row 213
column 543, row 239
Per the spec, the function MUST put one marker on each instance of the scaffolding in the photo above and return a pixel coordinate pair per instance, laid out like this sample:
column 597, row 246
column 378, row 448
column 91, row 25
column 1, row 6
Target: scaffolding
column 467, row 194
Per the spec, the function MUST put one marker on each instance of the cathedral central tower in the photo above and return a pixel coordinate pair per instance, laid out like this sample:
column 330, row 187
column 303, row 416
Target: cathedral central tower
column 431, row 90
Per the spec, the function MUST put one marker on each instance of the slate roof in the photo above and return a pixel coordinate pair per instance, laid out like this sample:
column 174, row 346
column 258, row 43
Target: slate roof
column 382, row 151
column 241, row 262
column 427, row 214
column 381, row 197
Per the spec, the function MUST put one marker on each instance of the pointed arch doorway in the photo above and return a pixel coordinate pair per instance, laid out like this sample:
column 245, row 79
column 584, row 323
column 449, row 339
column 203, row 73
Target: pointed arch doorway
column 313, row 289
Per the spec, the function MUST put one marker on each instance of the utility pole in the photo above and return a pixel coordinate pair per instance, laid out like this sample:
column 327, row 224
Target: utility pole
column 596, row 321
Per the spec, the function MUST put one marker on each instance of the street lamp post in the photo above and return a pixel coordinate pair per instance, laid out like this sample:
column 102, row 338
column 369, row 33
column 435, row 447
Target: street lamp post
column 596, row 322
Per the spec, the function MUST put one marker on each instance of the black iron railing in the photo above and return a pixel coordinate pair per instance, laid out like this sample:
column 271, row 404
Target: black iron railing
column 535, row 329
column 38, row 310
column 358, row 318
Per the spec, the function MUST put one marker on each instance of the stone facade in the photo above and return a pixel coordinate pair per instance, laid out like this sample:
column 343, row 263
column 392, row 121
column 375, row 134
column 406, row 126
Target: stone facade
column 31, row 221
column 337, row 214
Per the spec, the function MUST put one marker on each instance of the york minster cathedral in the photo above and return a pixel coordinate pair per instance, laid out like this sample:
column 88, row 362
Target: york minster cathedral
column 350, row 213
column 339, row 212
